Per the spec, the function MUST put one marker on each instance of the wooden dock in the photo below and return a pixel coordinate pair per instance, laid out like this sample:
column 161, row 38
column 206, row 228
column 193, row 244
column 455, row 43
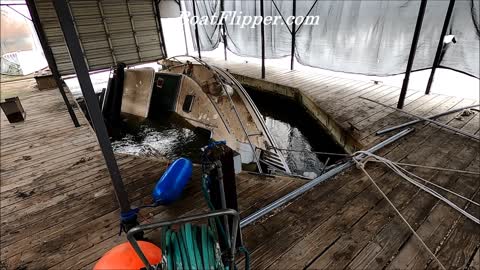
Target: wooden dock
column 57, row 206
column 58, row 210
column 345, row 222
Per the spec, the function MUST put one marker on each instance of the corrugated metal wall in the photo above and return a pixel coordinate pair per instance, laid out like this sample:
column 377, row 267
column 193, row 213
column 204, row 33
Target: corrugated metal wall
column 110, row 31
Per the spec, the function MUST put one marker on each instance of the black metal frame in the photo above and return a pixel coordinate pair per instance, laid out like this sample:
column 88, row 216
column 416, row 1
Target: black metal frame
column 438, row 54
column 47, row 51
column 218, row 213
column 294, row 33
column 411, row 57
column 295, row 30
column 224, row 29
column 197, row 39
column 91, row 101
column 262, row 33
column 16, row 11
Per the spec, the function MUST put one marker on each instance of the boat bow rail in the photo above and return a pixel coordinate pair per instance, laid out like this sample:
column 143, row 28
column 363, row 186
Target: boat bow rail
column 272, row 159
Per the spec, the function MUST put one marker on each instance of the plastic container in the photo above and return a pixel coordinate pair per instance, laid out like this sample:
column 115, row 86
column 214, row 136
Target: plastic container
column 170, row 186
column 123, row 257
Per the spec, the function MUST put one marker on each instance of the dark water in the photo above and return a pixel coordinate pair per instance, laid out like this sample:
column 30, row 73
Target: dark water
column 292, row 127
column 165, row 136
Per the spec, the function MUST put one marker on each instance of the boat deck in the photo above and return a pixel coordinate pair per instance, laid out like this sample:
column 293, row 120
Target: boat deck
column 345, row 222
column 58, row 210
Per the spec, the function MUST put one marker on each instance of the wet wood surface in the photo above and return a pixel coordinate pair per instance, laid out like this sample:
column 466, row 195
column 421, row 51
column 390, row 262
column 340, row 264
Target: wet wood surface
column 345, row 222
column 57, row 206
column 58, row 210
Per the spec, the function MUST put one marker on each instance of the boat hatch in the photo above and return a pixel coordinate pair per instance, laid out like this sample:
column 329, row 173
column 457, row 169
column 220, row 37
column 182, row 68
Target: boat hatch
column 165, row 92
column 188, row 103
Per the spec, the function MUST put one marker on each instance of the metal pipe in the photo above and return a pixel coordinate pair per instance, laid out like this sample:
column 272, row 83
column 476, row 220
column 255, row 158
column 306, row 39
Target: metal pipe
column 427, row 120
column 238, row 116
column 308, row 13
column 47, row 51
column 262, row 33
column 91, row 101
column 197, row 39
column 325, row 165
column 294, row 13
column 438, row 54
column 224, row 29
column 16, row 11
column 411, row 57
column 334, row 171
column 418, row 121
column 141, row 228
column 223, row 200
column 281, row 16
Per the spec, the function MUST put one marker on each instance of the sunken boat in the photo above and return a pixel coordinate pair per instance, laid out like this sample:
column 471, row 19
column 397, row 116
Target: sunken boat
column 207, row 97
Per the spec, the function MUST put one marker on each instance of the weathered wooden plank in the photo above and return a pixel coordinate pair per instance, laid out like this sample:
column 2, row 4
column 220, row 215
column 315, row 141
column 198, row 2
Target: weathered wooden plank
column 436, row 227
column 475, row 263
column 270, row 240
column 359, row 209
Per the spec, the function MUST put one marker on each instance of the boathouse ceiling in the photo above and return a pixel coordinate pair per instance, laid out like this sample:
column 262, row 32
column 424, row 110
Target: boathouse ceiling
column 109, row 32
column 360, row 36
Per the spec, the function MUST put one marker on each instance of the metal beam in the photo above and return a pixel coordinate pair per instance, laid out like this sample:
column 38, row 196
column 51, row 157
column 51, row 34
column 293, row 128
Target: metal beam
column 383, row 131
column 292, row 59
column 224, row 29
column 262, row 33
column 456, row 130
column 16, row 11
column 309, row 185
column 91, row 101
column 47, row 51
column 411, row 57
column 281, row 16
column 438, row 54
column 197, row 39
column 308, row 13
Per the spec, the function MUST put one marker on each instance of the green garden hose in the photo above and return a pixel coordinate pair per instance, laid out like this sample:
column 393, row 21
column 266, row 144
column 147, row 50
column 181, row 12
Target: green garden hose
column 191, row 247
column 196, row 247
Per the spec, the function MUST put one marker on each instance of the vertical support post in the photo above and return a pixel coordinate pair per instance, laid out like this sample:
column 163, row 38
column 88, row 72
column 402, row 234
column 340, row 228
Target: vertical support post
column 224, row 29
column 91, row 101
column 50, row 59
column 197, row 39
column 262, row 33
column 411, row 57
column 292, row 60
column 160, row 28
column 436, row 61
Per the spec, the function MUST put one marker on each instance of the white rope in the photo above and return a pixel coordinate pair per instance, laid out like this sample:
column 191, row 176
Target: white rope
column 440, row 187
column 360, row 165
column 433, row 168
column 400, row 171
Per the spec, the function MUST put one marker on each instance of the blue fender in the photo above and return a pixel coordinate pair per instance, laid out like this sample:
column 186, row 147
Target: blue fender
column 170, row 186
